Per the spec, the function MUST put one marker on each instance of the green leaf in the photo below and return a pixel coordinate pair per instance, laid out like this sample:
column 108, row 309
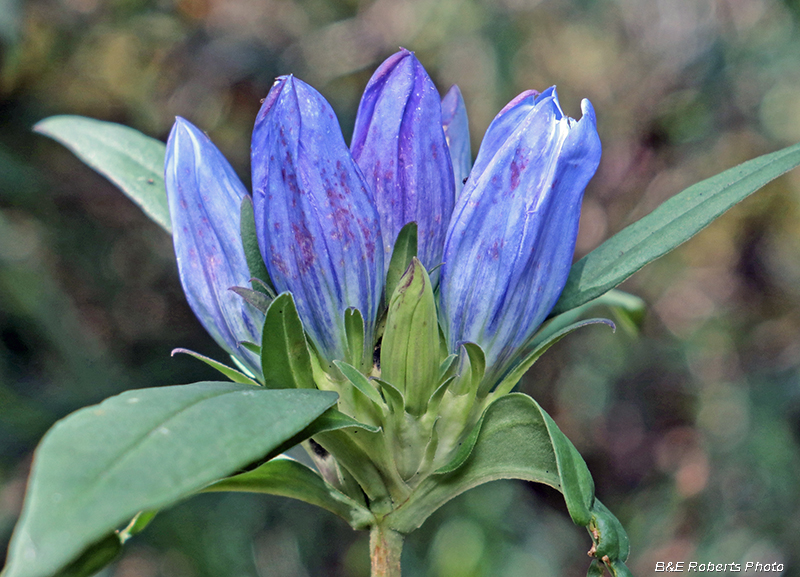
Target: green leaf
column 232, row 374
column 405, row 247
column 410, row 347
column 540, row 347
column 129, row 159
column 288, row 478
column 144, row 450
column 285, row 359
column 671, row 224
column 252, row 253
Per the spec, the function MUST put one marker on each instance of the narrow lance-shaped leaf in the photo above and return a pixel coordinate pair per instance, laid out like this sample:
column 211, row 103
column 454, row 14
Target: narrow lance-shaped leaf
column 132, row 161
column 144, row 449
column 671, row 224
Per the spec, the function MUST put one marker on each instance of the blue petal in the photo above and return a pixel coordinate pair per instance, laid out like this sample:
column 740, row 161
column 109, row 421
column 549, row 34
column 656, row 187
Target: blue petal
column 399, row 144
column 316, row 221
column 510, row 243
column 205, row 196
column 456, row 130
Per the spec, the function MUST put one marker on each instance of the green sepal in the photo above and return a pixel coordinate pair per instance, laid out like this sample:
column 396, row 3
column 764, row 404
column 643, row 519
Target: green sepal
column 674, row 222
column 410, row 346
column 354, row 331
column 289, row 478
column 448, row 367
column 405, row 247
column 361, row 383
column 539, row 348
column 620, row 303
column 436, row 398
column 258, row 299
column 285, row 357
column 470, row 370
column 231, row 373
column 252, row 253
column 393, row 397
column 252, row 347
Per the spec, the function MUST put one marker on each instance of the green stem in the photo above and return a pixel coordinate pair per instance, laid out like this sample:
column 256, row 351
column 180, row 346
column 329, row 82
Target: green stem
column 385, row 547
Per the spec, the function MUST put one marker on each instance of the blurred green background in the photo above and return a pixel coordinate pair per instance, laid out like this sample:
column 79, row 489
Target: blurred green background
column 691, row 427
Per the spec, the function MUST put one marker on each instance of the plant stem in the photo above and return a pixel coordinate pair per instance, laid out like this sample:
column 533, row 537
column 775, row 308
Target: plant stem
column 385, row 547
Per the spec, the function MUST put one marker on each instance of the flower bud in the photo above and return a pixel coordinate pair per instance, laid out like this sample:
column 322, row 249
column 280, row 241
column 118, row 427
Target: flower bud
column 399, row 144
column 316, row 222
column 204, row 197
column 510, row 243
column 456, row 130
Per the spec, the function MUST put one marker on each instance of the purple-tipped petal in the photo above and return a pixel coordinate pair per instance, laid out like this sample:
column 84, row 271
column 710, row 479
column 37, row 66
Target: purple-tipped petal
column 316, row 222
column 399, row 144
column 510, row 243
column 456, row 131
column 204, row 197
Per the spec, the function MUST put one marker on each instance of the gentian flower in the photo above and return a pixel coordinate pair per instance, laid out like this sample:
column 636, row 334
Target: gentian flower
column 327, row 216
column 456, row 130
column 316, row 219
column 511, row 239
column 204, row 197
column 400, row 145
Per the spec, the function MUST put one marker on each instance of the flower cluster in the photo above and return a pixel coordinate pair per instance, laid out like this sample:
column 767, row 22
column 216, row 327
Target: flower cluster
column 327, row 215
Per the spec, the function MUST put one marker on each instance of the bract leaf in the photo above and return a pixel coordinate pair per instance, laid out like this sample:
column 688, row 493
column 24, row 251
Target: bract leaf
column 540, row 347
column 232, row 374
column 144, row 449
column 671, row 224
column 129, row 159
column 289, row 478
column 285, row 358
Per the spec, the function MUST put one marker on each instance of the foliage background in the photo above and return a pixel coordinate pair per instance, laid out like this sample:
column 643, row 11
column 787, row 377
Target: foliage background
column 691, row 427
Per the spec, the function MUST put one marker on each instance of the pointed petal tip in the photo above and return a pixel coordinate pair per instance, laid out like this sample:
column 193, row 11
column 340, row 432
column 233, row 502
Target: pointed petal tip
column 587, row 110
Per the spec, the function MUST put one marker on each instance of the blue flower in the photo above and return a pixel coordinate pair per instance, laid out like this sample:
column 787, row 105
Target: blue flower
column 511, row 239
column 204, row 197
column 399, row 143
column 456, row 130
column 327, row 215
column 316, row 220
